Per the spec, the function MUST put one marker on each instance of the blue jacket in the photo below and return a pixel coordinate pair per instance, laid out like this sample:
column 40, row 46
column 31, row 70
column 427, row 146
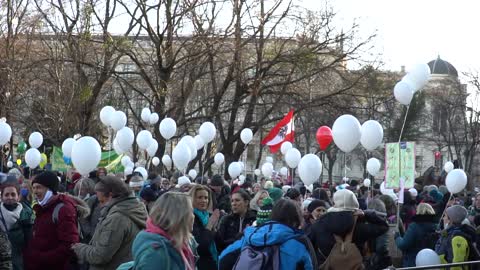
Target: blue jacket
column 150, row 251
column 293, row 253
column 411, row 243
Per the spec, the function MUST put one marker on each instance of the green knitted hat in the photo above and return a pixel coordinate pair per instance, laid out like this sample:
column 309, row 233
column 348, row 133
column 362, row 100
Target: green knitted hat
column 263, row 215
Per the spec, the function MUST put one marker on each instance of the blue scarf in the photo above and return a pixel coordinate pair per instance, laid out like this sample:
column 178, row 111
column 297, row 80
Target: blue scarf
column 204, row 216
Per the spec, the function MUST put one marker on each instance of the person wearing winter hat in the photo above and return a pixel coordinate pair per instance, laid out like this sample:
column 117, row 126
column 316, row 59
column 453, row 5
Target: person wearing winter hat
column 263, row 215
column 49, row 247
column 221, row 194
column 148, row 195
column 341, row 219
column 275, row 194
column 136, row 184
column 457, row 238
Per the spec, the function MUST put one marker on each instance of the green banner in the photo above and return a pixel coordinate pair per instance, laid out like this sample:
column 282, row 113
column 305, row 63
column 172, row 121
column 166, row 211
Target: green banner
column 110, row 160
column 400, row 163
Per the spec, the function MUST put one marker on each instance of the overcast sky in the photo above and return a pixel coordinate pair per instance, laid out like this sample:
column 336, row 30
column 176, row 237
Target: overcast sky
column 414, row 31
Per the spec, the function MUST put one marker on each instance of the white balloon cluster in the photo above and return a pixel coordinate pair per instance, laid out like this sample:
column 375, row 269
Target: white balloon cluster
column 112, row 118
column 148, row 117
column 415, row 80
column 347, row 133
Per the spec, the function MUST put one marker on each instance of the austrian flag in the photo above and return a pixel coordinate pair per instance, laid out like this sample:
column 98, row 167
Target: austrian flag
column 284, row 131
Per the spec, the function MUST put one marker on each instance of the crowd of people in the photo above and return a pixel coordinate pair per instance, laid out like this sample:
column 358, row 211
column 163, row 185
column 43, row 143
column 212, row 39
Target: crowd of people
column 53, row 221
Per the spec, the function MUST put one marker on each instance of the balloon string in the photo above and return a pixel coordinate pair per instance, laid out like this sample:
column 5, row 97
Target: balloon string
column 344, row 167
column 444, row 211
column 403, row 125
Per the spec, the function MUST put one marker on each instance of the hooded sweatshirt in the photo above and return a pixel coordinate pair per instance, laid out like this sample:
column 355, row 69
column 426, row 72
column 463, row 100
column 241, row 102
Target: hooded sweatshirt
column 122, row 219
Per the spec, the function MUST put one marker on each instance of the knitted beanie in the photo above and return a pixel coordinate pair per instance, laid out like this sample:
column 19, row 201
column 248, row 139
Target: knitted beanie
column 275, row 194
column 47, row 179
column 263, row 215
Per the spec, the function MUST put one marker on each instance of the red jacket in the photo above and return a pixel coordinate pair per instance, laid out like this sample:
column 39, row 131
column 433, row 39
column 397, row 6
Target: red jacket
column 49, row 247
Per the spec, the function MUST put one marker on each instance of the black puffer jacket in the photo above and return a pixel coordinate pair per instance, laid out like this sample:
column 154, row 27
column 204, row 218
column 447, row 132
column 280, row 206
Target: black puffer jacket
column 231, row 228
column 368, row 227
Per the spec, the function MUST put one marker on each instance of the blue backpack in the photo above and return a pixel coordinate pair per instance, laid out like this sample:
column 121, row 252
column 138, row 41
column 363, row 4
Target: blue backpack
column 258, row 258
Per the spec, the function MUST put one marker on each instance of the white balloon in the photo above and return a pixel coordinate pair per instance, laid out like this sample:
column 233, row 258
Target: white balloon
column 448, row 167
column 10, row 164
column 33, row 158
column 117, row 148
column 144, row 139
column 456, row 181
column 284, row 171
column 118, row 120
column 234, row 169
column 125, row 137
column 67, row 146
column 207, row 131
column 403, row 93
column 241, row 180
column 419, row 76
column 189, row 141
column 367, row 182
column 372, row 135
column 153, row 119
column 86, row 154
column 128, row 170
column 309, row 169
column 219, row 159
column 168, row 128
column 293, row 157
column 152, row 148
column 413, row 192
column 192, row 173
column 246, row 135
column 155, row 161
column 427, row 257
column 143, row 172
column 5, row 133
column 285, row 147
column 166, row 161
column 346, row 132
column 145, row 115
column 269, row 159
column 199, row 142
column 373, row 166
column 35, row 139
column 267, row 169
column 181, row 156
column 106, row 114
column 257, row 172
column 125, row 161
column 384, row 190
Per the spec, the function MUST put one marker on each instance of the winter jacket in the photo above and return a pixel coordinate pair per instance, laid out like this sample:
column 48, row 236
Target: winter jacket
column 368, row 227
column 231, row 228
column 151, row 250
column 454, row 244
column 89, row 223
column 20, row 234
column 410, row 244
column 293, row 253
column 222, row 201
column 49, row 247
column 122, row 219
column 205, row 238
column 5, row 252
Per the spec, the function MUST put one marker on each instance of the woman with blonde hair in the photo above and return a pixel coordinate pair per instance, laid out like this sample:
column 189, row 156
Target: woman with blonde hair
column 165, row 241
column 204, row 227
column 257, row 200
column 419, row 235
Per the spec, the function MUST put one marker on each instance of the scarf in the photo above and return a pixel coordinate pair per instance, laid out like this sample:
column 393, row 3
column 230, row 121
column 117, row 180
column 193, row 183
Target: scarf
column 9, row 218
column 204, row 216
column 47, row 197
column 186, row 253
